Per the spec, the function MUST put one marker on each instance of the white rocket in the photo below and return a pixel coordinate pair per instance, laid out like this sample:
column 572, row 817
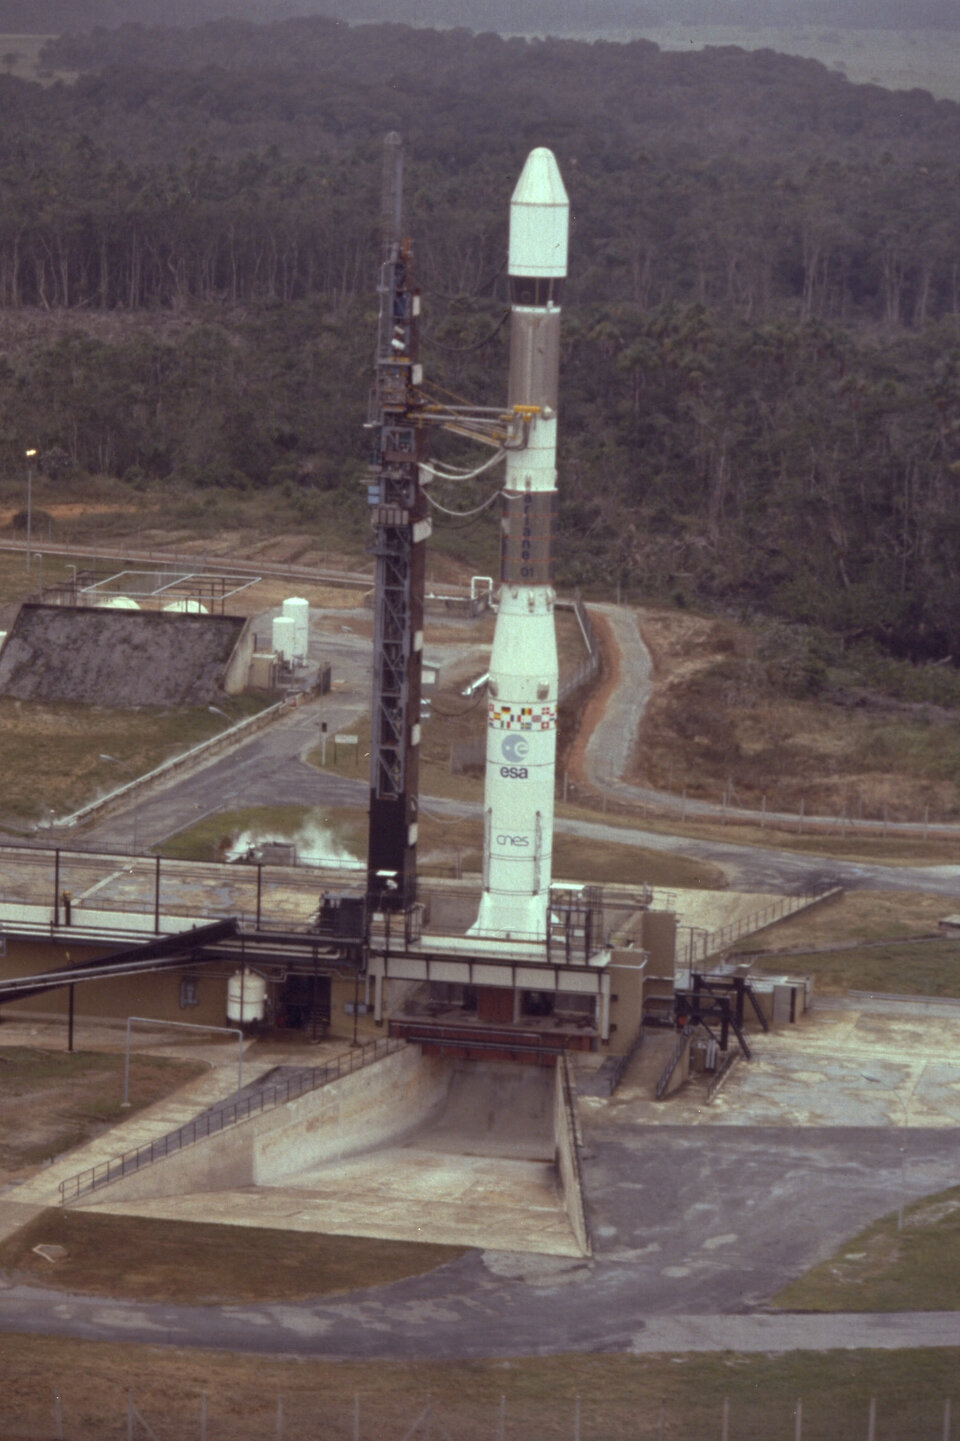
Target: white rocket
column 522, row 714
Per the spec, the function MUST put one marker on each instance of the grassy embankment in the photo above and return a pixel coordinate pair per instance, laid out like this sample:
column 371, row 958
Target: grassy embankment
column 886, row 1268
column 777, row 716
column 195, row 1264
column 54, row 758
column 621, row 1397
column 53, row 1100
column 864, row 941
column 440, row 844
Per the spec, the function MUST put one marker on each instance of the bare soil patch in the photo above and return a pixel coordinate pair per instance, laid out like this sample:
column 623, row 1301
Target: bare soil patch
column 51, row 1101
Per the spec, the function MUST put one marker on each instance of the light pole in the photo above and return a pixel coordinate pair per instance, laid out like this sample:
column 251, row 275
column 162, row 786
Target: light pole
column 905, row 1107
column 131, row 770
column 30, row 454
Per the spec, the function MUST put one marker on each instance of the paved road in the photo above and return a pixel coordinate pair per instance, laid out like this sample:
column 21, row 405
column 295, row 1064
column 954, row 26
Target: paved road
column 611, row 745
column 269, row 769
column 695, row 1227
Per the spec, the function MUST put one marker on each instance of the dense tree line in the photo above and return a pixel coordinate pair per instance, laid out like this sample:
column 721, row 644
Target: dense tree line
column 761, row 381
column 509, row 17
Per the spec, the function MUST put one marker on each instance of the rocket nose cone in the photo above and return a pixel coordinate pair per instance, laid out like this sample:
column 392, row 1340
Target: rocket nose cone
column 539, row 220
column 540, row 181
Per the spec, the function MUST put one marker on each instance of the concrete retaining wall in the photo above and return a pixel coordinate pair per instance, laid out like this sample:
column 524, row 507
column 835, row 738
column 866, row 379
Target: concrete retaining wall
column 568, row 1168
column 381, row 1103
column 365, row 1109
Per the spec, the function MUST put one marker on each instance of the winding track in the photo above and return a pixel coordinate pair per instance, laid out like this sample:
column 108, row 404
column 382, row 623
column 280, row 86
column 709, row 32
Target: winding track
column 688, row 1220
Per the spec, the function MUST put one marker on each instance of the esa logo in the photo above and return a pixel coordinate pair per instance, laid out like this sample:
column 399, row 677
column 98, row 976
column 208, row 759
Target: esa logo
column 514, row 748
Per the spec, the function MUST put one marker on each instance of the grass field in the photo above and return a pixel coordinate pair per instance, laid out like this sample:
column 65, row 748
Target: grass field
column 865, row 941
column 551, row 1398
column 52, row 1100
column 445, row 849
column 54, row 758
column 887, row 1268
column 183, row 1262
column 930, row 968
column 318, row 835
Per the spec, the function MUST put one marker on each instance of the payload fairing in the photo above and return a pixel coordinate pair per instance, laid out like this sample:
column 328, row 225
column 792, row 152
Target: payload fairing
column 522, row 700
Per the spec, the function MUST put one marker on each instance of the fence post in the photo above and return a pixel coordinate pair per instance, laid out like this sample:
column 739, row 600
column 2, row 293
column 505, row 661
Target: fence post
column 576, row 1418
column 798, row 1427
column 946, row 1420
column 872, row 1418
column 58, row 1416
column 501, row 1422
column 203, row 1413
column 356, row 1416
column 725, row 1420
column 279, row 1418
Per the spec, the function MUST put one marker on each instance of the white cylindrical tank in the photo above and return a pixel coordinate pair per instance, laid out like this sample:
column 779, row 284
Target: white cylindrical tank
column 3, row 636
column 284, row 633
column 246, row 998
column 117, row 602
column 298, row 611
column 185, row 607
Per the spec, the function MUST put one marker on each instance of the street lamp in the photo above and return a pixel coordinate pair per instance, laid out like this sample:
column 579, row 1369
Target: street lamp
column 30, row 454
column 131, row 769
column 905, row 1107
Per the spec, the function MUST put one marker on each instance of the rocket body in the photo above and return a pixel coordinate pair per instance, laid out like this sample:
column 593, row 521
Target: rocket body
column 522, row 688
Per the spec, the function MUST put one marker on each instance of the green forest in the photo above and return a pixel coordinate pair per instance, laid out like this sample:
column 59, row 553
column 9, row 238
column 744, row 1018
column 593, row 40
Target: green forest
column 761, row 371
column 511, row 17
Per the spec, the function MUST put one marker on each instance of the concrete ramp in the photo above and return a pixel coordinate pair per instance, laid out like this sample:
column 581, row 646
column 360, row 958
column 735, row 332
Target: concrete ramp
column 494, row 1108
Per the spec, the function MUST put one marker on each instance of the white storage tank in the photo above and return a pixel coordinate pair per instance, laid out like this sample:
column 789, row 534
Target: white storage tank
column 246, row 998
column 117, row 602
column 3, row 636
column 185, row 607
column 284, row 632
column 298, row 610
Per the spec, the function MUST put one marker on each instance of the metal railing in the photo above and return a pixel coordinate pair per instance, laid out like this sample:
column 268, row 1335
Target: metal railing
column 666, row 1075
column 702, row 943
column 619, row 1068
column 222, row 1117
